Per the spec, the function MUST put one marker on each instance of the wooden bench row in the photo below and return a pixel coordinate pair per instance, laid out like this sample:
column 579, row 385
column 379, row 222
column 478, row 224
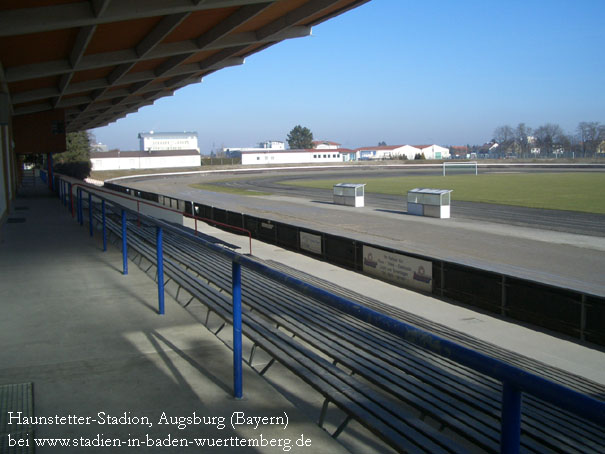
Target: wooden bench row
column 399, row 379
column 455, row 396
column 397, row 427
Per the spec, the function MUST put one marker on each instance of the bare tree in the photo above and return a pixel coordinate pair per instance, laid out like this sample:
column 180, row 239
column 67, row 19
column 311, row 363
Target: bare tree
column 589, row 132
column 522, row 133
column 504, row 134
column 549, row 136
column 505, row 137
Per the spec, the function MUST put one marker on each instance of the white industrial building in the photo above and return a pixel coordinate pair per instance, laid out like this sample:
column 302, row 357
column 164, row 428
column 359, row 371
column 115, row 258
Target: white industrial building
column 262, row 146
column 308, row 156
column 400, row 152
column 158, row 141
column 386, row 152
column 117, row 160
column 434, row 151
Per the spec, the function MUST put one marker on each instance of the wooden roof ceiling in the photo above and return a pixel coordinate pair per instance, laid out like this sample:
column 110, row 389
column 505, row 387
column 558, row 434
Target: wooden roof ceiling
column 100, row 60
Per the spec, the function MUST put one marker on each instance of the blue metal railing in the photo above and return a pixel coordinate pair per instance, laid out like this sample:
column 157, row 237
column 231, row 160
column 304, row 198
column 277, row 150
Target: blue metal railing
column 515, row 381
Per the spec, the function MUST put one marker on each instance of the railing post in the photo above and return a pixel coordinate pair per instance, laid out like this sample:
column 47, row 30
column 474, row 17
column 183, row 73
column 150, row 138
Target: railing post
column 80, row 217
column 49, row 180
column 90, row 212
column 510, row 433
column 236, row 287
column 160, row 267
column 583, row 318
column 503, row 302
column 104, row 225
column 71, row 200
column 124, row 245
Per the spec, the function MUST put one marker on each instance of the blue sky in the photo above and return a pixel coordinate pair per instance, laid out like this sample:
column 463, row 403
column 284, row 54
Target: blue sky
column 431, row 71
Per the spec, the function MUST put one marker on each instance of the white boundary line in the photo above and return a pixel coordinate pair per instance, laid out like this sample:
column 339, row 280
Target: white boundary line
column 263, row 169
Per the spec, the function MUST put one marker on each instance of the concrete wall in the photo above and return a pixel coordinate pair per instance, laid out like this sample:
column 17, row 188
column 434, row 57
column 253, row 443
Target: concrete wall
column 151, row 162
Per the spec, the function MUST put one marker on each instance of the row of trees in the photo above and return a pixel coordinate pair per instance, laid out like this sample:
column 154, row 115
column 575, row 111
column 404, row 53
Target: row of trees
column 550, row 139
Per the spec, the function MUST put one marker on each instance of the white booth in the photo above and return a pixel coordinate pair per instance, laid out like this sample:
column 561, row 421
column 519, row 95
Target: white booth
column 434, row 203
column 350, row 194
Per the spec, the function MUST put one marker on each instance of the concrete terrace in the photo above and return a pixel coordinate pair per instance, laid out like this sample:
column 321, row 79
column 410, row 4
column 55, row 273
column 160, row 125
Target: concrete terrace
column 91, row 341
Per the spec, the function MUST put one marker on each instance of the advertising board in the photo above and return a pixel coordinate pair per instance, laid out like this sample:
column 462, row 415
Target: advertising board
column 310, row 242
column 398, row 268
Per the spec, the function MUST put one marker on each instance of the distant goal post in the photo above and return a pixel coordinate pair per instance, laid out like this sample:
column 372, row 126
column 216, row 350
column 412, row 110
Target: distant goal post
column 451, row 168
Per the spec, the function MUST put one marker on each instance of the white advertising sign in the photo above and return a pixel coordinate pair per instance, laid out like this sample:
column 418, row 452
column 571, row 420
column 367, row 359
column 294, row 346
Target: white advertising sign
column 397, row 268
column 310, row 242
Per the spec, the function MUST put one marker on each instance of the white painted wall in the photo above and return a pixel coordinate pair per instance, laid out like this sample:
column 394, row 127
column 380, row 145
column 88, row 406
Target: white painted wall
column 402, row 152
column 406, row 152
column 291, row 157
column 435, row 152
column 325, row 146
column 147, row 162
column 263, row 146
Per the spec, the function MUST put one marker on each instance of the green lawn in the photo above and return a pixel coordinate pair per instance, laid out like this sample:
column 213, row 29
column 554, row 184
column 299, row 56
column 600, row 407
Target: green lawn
column 560, row 191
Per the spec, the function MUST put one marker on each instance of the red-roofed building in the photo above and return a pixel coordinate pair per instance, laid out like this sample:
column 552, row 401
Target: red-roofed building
column 459, row 152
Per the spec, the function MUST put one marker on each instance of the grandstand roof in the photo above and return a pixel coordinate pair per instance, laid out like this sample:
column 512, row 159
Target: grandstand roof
column 98, row 60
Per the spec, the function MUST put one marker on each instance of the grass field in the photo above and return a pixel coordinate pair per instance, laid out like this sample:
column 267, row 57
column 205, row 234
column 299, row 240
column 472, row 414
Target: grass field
column 560, row 191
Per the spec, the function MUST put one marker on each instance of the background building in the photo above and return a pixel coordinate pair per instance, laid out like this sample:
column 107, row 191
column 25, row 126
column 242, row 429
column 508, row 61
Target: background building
column 325, row 145
column 307, row 156
column 266, row 145
column 387, row 152
column 433, row 151
column 156, row 141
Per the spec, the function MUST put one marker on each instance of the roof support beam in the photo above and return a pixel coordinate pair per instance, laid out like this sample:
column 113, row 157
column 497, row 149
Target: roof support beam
column 156, row 36
column 80, row 14
column 239, row 17
column 57, row 67
column 99, row 7
column 82, row 40
column 182, row 76
column 93, row 103
column 83, row 87
column 293, row 17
